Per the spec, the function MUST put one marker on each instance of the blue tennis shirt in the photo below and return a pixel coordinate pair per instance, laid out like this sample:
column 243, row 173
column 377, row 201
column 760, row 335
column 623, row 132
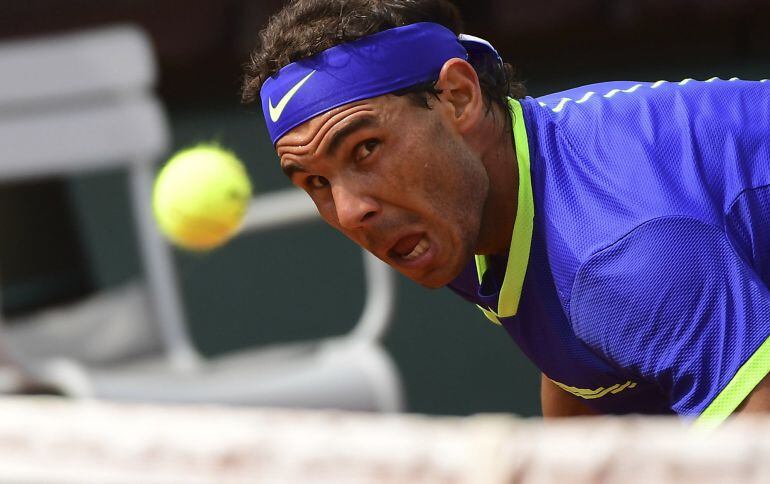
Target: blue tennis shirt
column 639, row 267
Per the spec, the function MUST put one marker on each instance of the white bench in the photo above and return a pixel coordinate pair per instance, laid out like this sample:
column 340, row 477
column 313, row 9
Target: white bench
column 82, row 102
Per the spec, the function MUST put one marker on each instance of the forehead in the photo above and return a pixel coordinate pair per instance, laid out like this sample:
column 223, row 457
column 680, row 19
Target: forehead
column 381, row 110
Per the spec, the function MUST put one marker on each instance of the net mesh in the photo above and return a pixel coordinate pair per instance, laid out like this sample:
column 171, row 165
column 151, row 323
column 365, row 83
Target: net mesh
column 45, row 440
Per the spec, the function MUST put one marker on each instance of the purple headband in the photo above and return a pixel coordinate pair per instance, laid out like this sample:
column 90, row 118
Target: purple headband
column 364, row 68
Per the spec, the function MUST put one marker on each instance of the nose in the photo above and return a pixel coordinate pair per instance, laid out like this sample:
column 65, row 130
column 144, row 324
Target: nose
column 353, row 208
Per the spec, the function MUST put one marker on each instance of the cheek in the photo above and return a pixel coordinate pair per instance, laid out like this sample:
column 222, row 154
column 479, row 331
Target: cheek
column 454, row 182
column 328, row 212
column 448, row 172
column 325, row 206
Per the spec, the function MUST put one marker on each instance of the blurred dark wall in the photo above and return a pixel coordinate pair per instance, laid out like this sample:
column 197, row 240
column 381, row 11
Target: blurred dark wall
column 555, row 38
column 264, row 289
column 202, row 43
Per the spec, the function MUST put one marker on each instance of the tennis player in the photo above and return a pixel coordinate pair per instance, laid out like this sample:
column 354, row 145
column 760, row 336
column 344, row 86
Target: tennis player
column 619, row 232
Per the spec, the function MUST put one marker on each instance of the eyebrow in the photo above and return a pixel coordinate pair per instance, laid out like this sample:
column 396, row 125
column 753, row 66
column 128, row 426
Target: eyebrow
column 339, row 136
column 290, row 168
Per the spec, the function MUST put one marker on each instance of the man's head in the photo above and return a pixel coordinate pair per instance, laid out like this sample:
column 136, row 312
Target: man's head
column 404, row 172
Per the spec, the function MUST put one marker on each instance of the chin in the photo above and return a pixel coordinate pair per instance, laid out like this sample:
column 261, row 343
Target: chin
column 432, row 284
column 437, row 278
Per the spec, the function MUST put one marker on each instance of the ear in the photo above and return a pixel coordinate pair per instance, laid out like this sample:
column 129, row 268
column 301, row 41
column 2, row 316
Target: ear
column 461, row 93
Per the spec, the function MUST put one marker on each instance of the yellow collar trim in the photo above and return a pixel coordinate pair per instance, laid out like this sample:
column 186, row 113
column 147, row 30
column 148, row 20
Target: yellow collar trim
column 521, row 239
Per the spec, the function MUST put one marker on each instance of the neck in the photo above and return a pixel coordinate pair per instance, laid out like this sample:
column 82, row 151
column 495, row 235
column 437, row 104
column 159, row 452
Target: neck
column 499, row 158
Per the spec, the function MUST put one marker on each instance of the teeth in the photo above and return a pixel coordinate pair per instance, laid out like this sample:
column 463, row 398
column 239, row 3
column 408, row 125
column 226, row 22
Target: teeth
column 418, row 250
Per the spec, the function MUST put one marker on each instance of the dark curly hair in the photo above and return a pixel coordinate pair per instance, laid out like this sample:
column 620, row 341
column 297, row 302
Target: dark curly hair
column 304, row 28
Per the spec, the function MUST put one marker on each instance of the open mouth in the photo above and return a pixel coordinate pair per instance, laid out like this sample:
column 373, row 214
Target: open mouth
column 410, row 247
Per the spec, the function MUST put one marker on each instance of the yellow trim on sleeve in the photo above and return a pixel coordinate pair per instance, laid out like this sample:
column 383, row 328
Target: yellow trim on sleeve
column 745, row 380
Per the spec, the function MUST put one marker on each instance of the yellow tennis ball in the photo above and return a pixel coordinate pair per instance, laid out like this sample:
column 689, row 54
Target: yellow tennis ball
column 200, row 197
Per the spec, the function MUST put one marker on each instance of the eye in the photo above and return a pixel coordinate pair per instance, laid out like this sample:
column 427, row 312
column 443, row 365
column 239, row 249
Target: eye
column 365, row 149
column 316, row 182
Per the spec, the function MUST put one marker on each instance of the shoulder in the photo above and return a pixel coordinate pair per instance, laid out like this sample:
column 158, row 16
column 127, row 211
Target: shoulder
column 674, row 303
column 658, row 273
column 617, row 93
column 647, row 105
column 671, row 281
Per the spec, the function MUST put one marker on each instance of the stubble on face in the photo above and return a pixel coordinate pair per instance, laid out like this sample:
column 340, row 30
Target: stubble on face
column 424, row 179
column 454, row 186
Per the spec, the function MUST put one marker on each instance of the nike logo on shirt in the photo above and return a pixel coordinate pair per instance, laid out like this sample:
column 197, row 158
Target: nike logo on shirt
column 275, row 111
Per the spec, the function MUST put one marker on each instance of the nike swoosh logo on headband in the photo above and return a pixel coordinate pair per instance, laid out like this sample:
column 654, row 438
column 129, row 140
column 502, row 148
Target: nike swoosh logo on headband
column 275, row 111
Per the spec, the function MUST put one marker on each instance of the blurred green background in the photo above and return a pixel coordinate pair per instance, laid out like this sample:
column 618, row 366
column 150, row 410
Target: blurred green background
column 63, row 239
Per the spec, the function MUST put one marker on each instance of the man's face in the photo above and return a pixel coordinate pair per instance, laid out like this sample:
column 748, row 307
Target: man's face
column 395, row 178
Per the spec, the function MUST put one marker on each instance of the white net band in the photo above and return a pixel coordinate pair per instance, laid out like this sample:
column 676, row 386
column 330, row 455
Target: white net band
column 53, row 441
